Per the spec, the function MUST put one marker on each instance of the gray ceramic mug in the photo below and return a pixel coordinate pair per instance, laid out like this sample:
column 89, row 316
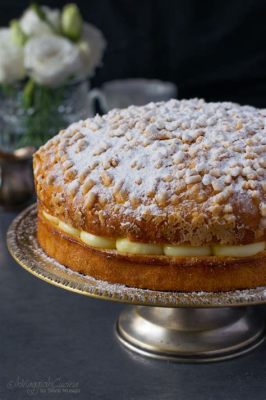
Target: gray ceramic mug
column 136, row 91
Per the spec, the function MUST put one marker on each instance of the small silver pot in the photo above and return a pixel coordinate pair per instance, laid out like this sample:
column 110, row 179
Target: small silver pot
column 16, row 177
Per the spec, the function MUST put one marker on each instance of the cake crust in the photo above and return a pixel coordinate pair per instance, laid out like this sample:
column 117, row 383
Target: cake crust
column 181, row 172
column 186, row 274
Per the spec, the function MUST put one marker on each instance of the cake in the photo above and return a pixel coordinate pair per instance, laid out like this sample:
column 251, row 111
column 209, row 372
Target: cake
column 169, row 196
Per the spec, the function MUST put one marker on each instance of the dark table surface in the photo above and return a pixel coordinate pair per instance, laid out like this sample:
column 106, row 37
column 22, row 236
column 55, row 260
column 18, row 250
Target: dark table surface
column 56, row 344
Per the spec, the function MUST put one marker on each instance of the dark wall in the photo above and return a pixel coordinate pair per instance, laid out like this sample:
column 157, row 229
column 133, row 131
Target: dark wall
column 212, row 49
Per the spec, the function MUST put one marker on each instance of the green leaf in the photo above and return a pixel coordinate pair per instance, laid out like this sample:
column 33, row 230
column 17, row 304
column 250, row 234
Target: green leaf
column 28, row 94
column 38, row 10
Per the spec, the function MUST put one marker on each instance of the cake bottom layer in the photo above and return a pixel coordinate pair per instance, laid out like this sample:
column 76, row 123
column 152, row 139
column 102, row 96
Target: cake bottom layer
column 163, row 273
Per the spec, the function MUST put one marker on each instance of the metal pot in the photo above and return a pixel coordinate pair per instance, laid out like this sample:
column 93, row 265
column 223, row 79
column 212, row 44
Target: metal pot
column 16, row 177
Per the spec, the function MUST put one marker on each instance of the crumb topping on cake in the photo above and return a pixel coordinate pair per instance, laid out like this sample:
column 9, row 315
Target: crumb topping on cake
column 194, row 171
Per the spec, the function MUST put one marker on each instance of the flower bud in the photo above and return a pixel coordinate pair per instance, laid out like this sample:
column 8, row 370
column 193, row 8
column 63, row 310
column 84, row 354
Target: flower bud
column 72, row 22
column 17, row 35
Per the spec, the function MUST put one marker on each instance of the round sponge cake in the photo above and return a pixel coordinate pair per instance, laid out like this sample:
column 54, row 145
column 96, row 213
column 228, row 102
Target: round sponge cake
column 177, row 175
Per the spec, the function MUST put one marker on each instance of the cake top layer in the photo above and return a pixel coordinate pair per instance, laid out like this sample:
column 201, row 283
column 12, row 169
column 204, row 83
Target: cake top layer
column 156, row 159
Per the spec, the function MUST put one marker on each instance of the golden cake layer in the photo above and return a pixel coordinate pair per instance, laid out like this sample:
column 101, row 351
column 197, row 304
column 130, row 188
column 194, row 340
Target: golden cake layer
column 184, row 274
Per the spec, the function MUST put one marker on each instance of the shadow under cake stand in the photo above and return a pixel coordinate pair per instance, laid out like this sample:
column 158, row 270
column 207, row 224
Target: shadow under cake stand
column 184, row 327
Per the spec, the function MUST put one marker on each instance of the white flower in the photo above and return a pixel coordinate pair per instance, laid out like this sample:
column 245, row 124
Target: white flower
column 92, row 45
column 51, row 60
column 11, row 59
column 32, row 25
column 53, row 15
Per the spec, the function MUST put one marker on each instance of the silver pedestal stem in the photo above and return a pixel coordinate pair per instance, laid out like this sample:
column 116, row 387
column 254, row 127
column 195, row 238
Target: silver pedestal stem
column 190, row 334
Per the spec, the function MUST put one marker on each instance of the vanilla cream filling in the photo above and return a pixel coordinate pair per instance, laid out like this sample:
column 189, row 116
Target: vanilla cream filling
column 50, row 218
column 179, row 251
column 68, row 229
column 238, row 251
column 124, row 245
column 97, row 241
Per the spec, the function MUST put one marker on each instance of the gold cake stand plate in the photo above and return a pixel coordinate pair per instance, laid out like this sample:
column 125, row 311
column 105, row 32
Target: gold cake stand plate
column 184, row 327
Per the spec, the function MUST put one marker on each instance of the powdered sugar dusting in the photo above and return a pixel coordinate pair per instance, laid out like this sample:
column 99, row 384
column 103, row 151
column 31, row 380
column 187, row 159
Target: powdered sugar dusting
column 159, row 140
column 150, row 158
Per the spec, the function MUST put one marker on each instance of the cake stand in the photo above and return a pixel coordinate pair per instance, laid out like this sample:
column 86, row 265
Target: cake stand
column 184, row 327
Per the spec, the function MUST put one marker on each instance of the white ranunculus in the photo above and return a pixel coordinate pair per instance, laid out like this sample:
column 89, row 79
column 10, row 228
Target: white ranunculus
column 92, row 45
column 11, row 59
column 51, row 60
column 32, row 25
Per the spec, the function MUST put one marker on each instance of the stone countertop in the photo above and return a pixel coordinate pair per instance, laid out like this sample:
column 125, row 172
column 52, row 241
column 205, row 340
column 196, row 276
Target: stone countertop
column 56, row 344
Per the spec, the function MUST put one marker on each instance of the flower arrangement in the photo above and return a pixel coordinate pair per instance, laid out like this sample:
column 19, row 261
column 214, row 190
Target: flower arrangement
column 41, row 55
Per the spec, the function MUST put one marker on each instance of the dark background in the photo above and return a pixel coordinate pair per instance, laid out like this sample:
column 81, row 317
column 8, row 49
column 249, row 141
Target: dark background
column 211, row 49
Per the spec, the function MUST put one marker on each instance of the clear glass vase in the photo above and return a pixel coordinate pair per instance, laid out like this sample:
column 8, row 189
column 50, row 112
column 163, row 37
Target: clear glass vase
column 51, row 109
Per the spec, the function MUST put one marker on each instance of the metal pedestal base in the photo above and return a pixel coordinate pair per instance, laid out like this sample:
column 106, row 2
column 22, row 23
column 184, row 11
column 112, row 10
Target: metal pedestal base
column 190, row 334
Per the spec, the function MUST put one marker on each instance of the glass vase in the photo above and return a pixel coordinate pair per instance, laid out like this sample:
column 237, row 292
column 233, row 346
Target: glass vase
column 24, row 123
column 24, row 126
